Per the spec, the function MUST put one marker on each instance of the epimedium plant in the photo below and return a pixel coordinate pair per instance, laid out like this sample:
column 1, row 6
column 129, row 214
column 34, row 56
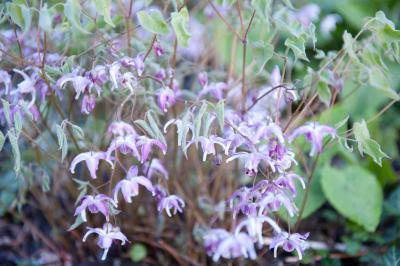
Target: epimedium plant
column 128, row 100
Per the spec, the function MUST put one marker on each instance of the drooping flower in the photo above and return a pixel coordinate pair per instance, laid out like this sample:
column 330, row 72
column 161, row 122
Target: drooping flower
column 235, row 246
column 155, row 167
column 202, row 77
column 165, row 98
column 287, row 181
column 314, row 133
column 215, row 89
column 146, row 145
column 130, row 185
column 88, row 104
column 99, row 203
column 5, row 78
column 289, row 243
column 253, row 159
column 79, row 83
column 114, row 74
column 160, row 74
column 106, row 235
column 27, row 86
column 213, row 238
column 158, row 49
column 208, row 145
column 125, row 144
column 242, row 200
column 121, row 129
column 328, row 24
column 171, row 202
column 92, row 159
column 139, row 64
column 273, row 200
column 269, row 130
column 254, row 225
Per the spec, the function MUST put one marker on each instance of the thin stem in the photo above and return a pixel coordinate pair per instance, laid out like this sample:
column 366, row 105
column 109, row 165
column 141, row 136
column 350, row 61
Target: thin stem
column 224, row 20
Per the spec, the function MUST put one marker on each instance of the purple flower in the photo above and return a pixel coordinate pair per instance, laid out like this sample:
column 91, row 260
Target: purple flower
column 215, row 89
column 80, row 84
column 244, row 200
column 27, row 86
column 160, row 74
column 307, row 14
column 157, row 48
column 253, row 159
column 99, row 203
column 272, row 201
column 314, row 133
column 88, row 104
column 208, row 145
column 130, row 185
column 266, row 131
column 107, row 235
column 235, row 246
column 121, row 129
column 115, row 74
column 287, row 181
column 5, row 78
column 202, row 78
column 213, row 238
column 289, row 243
column 254, row 225
column 125, row 144
column 146, row 145
column 139, row 64
column 165, row 98
column 155, row 167
column 171, row 202
column 92, row 159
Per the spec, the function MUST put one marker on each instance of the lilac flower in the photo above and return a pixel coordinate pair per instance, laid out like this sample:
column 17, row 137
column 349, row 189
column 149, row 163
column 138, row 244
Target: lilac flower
column 328, row 24
column 203, row 78
column 158, row 50
column 107, row 235
column 146, row 145
column 213, row 238
column 99, row 203
column 287, row 181
column 289, row 243
column 155, row 167
column 125, row 144
column 243, row 200
column 253, row 159
column 266, row 131
column 208, row 145
column 314, row 133
column 27, row 86
column 159, row 192
column 274, row 200
column 130, row 185
column 88, row 104
column 308, row 14
column 171, row 202
column 121, row 129
column 235, row 246
column 254, row 225
column 5, row 78
column 165, row 98
column 92, row 159
column 115, row 74
column 215, row 89
column 160, row 74
column 80, row 84
column 139, row 64
column 128, row 80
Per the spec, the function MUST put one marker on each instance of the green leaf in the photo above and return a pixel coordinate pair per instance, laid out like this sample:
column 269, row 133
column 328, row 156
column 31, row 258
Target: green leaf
column 378, row 80
column 7, row 112
column 349, row 47
column 21, row 15
column 154, row 127
column 2, row 140
column 15, row 150
column 366, row 144
column 297, row 45
column 103, row 7
column 355, row 193
column 45, row 19
column 180, row 23
column 78, row 222
column 391, row 257
column 62, row 141
column 220, row 110
column 392, row 204
column 138, row 252
column 198, row 119
column 324, row 92
column 153, row 21
column 72, row 10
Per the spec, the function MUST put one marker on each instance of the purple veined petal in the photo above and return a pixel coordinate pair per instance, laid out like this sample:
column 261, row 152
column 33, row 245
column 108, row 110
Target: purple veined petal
column 79, row 158
column 92, row 164
column 133, row 171
column 139, row 64
column 144, row 182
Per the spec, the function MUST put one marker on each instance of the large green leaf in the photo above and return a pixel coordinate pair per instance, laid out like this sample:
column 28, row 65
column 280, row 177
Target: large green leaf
column 21, row 15
column 180, row 23
column 355, row 193
column 103, row 7
column 153, row 21
column 72, row 10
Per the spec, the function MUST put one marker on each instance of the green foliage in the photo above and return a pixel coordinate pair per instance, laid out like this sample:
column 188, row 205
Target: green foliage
column 180, row 24
column 366, row 144
column 20, row 14
column 103, row 7
column 355, row 193
column 45, row 19
column 153, row 21
column 72, row 11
